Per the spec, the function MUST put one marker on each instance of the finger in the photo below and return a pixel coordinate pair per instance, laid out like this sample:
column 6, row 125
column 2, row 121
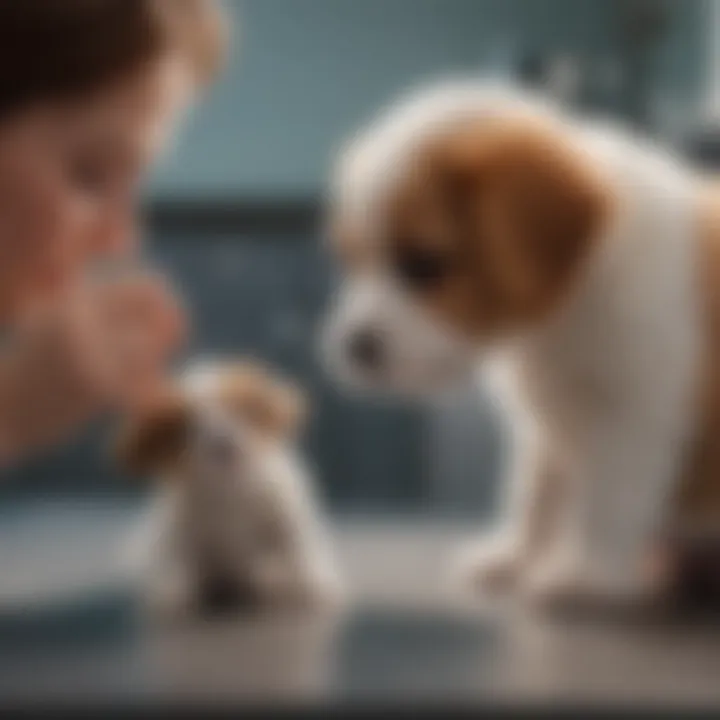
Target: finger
column 144, row 386
column 39, row 310
column 149, row 394
column 137, row 295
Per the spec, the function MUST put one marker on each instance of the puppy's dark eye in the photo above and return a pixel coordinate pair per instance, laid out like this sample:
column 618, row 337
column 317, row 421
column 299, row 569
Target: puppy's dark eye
column 420, row 268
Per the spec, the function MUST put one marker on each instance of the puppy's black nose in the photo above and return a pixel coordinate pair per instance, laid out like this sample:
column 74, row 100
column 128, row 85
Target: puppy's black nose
column 365, row 348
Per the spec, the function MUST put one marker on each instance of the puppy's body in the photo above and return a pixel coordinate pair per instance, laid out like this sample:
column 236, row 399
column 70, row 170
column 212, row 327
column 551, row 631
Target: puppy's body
column 603, row 394
column 699, row 495
column 235, row 523
column 582, row 262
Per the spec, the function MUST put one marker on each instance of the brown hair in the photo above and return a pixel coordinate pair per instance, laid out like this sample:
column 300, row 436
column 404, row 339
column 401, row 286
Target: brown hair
column 64, row 49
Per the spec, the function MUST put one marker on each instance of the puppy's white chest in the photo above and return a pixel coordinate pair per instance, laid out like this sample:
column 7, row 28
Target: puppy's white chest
column 625, row 347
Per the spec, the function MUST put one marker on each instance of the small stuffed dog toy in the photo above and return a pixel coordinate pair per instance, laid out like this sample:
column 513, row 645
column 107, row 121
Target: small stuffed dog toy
column 235, row 525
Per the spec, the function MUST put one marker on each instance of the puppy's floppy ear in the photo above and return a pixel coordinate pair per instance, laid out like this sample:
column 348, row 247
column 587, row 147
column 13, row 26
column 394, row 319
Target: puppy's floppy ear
column 537, row 205
column 155, row 438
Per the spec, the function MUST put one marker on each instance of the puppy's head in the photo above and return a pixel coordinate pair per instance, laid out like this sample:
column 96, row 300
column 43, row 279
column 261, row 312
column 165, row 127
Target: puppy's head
column 460, row 219
column 220, row 419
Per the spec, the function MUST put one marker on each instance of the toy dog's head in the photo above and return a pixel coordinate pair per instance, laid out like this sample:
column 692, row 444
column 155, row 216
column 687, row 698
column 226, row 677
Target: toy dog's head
column 219, row 420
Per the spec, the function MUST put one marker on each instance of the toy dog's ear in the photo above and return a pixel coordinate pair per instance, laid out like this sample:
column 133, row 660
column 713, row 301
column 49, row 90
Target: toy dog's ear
column 290, row 408
column 277, row 408
column 269, row 402
column 154, row 440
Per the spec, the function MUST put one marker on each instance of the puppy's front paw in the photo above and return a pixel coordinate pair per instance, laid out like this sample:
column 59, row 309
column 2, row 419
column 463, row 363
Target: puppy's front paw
column 491, row 565
column 567, row 584
column 558, row 584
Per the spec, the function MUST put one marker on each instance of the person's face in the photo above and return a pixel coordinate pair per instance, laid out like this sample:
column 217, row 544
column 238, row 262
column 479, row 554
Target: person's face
column 69, row 176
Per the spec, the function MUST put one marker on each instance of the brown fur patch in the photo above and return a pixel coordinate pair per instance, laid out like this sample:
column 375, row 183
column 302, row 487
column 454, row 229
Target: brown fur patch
column 155, row 439
column 509, row 210
column 698, row 500
column 271, row 405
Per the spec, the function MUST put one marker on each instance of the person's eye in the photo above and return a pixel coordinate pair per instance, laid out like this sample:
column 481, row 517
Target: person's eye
column 90, row 175
column 96, row 175
column 420, row 268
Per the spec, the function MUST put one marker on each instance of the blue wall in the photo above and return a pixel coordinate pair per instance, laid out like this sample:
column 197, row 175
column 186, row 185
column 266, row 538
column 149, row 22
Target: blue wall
column 305, row 72
column 679, row 68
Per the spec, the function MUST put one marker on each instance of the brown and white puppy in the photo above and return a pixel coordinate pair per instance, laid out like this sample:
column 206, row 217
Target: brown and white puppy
column 582, row 265
column 235, row 524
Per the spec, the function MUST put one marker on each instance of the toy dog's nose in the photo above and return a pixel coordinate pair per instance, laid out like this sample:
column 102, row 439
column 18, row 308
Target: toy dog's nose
column 366, row 349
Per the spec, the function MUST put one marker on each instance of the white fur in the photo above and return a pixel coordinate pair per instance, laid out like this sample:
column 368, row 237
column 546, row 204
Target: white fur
column 223, row 512
column 610, row 401
column 421, row 354
column 376, row 158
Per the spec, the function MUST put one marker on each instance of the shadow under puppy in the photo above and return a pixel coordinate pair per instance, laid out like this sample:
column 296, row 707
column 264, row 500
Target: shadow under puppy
column 235, row 524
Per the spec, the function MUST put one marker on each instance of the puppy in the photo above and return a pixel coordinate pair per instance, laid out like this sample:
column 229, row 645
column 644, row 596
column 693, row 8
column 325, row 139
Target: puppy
column 581, row 265
column 235, row 524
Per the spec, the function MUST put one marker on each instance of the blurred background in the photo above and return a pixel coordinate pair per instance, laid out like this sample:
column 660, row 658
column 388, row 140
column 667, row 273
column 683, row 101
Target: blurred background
column 233, row 213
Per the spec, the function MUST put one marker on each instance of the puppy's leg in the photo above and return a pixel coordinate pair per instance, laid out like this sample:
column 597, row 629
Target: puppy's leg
column 172, row 591
column 306, row 571
column 313, row 577
column 320, row 584
column 496, row 561
column 293, row 566
column 154, row 559
column 624, row 471
column 316, row 566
